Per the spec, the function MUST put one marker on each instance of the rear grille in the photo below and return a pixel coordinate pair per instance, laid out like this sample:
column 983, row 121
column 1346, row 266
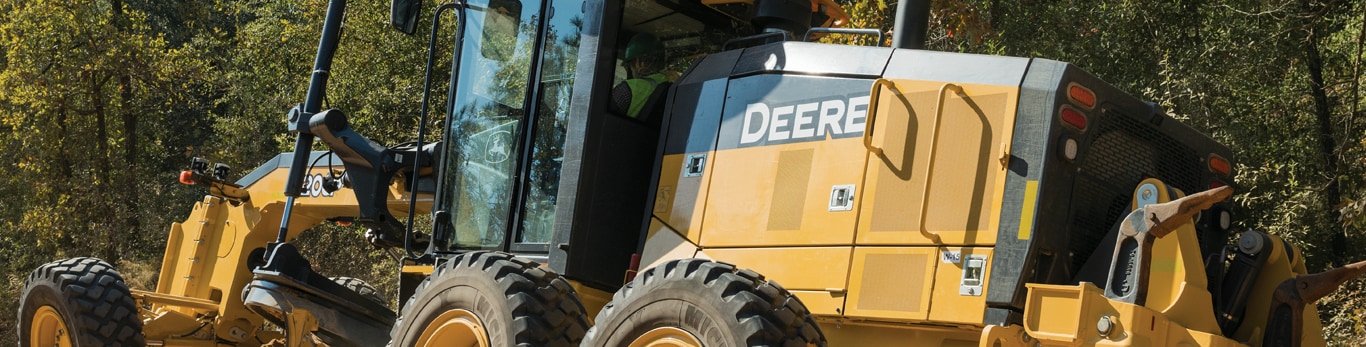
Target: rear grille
column 1123, row 152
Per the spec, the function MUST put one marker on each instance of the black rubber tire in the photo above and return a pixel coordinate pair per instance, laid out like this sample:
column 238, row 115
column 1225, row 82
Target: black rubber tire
column 715, row 302
column 519, row 303
column 361, row 287
column 89, row 296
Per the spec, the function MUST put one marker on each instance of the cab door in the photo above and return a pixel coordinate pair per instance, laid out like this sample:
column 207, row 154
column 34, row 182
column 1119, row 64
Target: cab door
column 504, row 130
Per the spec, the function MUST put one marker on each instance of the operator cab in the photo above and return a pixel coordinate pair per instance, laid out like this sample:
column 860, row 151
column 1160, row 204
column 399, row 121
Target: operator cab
column 532, row 157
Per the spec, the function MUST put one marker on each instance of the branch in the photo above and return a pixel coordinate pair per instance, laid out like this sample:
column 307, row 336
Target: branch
column 1356, row 85
column 1257, row 14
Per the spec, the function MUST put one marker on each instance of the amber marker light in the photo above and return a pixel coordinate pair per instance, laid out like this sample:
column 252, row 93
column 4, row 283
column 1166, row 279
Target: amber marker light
column 186, row 178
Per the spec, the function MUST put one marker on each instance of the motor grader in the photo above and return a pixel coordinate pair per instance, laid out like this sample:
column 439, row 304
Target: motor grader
column 778, row 192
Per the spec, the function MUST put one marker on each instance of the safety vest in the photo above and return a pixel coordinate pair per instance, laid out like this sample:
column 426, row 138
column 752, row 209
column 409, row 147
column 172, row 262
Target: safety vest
column 641, row 89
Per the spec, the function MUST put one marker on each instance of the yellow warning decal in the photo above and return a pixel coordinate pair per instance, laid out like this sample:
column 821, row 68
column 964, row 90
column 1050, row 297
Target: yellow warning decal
column 1031, row 195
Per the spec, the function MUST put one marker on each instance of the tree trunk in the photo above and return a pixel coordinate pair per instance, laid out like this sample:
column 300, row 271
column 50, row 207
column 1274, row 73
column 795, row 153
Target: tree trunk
column 109, row 250
column 63, row 160
column 130, row 155
column 101, row 131
column 126, row 195
column 1327, row 145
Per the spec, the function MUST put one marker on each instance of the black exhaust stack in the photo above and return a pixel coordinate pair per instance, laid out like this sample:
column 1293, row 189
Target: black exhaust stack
column 912, row 22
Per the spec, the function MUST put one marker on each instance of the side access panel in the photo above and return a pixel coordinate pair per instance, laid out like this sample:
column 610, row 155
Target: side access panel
column 690, row 144
column 891, row 282
column 920, row 191
column 788, row 162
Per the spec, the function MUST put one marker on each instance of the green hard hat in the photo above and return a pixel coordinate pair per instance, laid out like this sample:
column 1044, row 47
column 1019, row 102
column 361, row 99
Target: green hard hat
column 643, row 45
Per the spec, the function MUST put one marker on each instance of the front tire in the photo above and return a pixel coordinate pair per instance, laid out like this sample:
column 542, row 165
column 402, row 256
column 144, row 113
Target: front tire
column 491, row 299
column 696, row 302
column 78, row 302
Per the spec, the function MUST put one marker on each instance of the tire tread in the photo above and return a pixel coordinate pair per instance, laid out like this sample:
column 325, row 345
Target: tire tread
column 545, row 309
column 102, row 308
column 766, row 314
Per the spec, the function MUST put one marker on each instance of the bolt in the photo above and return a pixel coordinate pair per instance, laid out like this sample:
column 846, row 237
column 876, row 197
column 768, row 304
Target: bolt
column 1104, row 326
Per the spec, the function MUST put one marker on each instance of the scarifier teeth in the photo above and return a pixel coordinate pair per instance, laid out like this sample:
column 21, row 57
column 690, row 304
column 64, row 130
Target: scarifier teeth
column 1161, row 219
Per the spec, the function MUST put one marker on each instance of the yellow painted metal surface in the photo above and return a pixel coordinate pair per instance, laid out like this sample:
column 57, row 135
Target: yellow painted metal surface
column 1063, row 315
column 163, row 322
column 48, row 329
column 593, row 299
column 666, row 337
column 456, row 327
column 1176, row 278
column 805, row 268
column 950, row 303
column 663, row 244
column 679, row 199
column 822, row 302
column 855, row 333
column 919, row 192
column 1282, row 264
column 1031, row 196
column 891, row 282
column 204, row 267
column 188, row 342
column 789, row 202
column 423, row 270
column 1004, row 336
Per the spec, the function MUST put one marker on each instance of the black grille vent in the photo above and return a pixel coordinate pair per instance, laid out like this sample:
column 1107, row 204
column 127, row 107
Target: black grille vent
column 1123, row 152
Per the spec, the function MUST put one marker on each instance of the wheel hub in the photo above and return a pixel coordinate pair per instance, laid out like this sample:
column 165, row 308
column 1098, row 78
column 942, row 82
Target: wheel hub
column 48, row 329
column 458, row 328
column 666, row 337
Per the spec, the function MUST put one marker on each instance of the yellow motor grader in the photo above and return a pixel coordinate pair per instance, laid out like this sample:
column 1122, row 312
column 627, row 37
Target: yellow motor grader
column 776, row 192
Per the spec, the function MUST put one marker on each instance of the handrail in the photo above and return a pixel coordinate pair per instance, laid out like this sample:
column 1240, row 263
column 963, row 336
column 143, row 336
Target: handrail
column 929, row 165
column 849, row 31
column 871, row 121
column 422, row 114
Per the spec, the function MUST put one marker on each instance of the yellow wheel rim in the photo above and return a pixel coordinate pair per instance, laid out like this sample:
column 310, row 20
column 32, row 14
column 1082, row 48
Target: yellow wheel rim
column 457, row 328
column 666, row 337
column 48, row 329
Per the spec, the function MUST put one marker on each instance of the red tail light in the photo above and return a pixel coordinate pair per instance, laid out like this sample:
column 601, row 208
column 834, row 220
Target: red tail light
column 1082, row 96
column 1220, row 165
column 1073, row 117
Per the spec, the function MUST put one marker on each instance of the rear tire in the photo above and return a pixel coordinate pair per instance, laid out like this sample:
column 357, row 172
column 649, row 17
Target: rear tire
column 699, row 302
column 491, row 299
column 82, row 301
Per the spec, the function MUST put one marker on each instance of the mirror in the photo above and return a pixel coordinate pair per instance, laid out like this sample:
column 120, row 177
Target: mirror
column 501, row 21
column 403, row 15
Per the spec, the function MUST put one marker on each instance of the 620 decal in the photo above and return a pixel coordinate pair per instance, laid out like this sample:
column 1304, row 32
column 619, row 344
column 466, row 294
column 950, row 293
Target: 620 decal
column 313, row 186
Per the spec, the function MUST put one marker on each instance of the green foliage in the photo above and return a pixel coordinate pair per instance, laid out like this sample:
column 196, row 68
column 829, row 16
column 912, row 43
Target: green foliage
column 102, row 102
column 1240, row 71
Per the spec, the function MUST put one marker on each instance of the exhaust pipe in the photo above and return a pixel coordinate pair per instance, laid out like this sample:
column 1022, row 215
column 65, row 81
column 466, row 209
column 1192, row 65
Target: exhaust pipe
column 912, row 22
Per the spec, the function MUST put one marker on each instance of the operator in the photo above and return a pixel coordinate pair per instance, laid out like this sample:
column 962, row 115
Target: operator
column 645, row 60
